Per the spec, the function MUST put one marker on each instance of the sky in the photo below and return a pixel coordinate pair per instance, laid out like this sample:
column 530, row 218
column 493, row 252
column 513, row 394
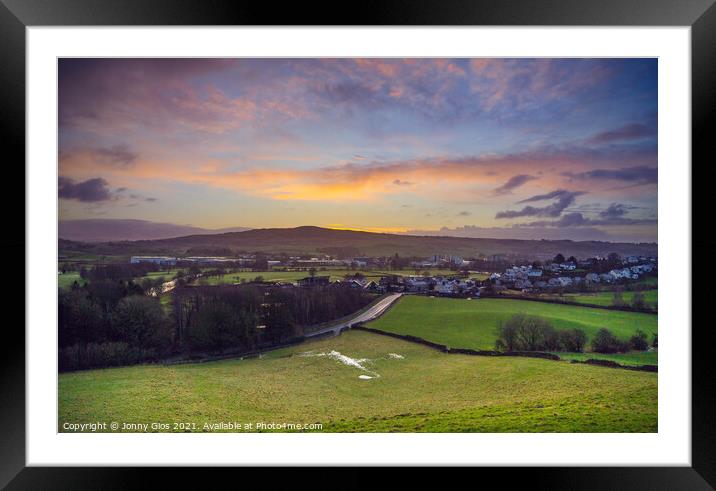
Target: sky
column 489, row 147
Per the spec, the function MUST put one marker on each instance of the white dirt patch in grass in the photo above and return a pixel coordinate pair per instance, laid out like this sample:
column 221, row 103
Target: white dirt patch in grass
column 364, row 377
column 396, row 356
column 346, row 360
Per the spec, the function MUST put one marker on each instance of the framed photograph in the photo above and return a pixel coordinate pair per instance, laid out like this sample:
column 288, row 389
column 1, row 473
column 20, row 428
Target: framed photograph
column 444, row 235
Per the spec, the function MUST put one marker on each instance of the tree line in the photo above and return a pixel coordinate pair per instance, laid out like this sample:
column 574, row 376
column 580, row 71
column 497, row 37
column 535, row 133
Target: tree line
column 250, row 316
column 531, row 333
column 115, row 322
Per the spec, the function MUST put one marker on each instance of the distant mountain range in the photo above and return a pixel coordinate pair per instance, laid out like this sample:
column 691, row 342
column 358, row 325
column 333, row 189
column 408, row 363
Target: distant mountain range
column 348, row 243
column 109, row 230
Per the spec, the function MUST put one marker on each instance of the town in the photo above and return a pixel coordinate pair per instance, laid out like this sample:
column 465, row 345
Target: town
column 457, row 277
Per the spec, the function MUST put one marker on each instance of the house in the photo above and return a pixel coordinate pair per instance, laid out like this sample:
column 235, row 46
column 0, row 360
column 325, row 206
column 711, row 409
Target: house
column 523, row 284
column 561, row 281
column 417, row 284
column 373, row 287
column 314, row 281
column 445, row 287
column 607, row 277
column 591, row 278
column 354, row 283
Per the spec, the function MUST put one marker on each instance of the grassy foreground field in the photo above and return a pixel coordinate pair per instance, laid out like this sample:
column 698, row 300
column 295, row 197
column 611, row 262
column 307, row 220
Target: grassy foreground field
column 461, row 323
column 424, row 391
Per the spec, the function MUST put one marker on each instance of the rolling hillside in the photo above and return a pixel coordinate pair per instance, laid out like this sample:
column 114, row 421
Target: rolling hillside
column 363, row 382
column 310, row 240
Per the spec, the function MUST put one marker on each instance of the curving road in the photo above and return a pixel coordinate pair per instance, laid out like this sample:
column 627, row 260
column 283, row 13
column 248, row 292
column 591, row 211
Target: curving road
column 372, row 313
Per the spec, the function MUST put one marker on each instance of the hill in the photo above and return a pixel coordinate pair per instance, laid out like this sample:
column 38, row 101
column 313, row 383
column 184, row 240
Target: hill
column 348, row 243
column 113, row 229
column 362, row 382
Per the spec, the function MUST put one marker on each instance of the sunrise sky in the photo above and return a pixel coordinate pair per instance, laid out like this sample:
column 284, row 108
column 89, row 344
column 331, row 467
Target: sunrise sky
column 520, row 148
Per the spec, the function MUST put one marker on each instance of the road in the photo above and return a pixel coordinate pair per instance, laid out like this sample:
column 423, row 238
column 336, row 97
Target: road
column 375, row 311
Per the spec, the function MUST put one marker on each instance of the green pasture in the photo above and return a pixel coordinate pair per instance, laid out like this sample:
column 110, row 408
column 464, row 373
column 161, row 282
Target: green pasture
column 65, row 280
column 292, row 276
column 605, row 298
column 462, row 323
column 413, row 389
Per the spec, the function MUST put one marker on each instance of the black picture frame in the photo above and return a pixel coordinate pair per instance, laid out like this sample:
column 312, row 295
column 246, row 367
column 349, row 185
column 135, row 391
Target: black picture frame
column 16, row 15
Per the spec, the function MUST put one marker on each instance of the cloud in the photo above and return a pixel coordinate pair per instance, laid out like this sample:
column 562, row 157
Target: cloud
column 639, row 174
column 118, row 154
column 564, row 199
column 133, row 196
column 578, row 220
column 523, row 233
column 398, row 182
column 114, row 96
column 464, row 214
column 613, row 211
column 513, row 183
column 631, row 131
column 97, row 190
column 89, row 191
column 114, row 156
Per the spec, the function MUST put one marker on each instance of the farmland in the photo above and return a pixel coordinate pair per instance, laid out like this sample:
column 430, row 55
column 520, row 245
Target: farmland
column 461, row 323
column 335, row 274
column 632, row 359
column 424, row 391
column 65, row 280
column 604, row 298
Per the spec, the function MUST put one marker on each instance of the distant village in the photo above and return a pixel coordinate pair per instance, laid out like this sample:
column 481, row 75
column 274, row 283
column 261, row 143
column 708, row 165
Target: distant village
column 457, row 277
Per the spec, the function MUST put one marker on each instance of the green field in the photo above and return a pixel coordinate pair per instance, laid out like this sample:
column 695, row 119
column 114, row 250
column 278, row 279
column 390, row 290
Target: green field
column 335, row 274
column 605, row 298
column 461, row 323
column 425, row 391
column 65, row 280
column 168, row 275
column 634, row 358
column 650, row 281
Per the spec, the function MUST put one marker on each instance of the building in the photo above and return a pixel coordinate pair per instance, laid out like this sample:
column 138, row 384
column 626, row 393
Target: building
column 592, row 278
column 315, row 281
column 207, row 259
column 161, row 260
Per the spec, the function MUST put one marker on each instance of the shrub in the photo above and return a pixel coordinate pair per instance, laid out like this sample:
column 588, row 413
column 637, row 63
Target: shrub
column 572, row 340
column 638, row 302
column 605, row 342
column 530, row 333
column 639, row 341
column 618, row 299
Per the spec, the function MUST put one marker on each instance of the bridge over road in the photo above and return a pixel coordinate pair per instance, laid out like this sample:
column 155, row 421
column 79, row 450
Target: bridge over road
column 371, row 313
